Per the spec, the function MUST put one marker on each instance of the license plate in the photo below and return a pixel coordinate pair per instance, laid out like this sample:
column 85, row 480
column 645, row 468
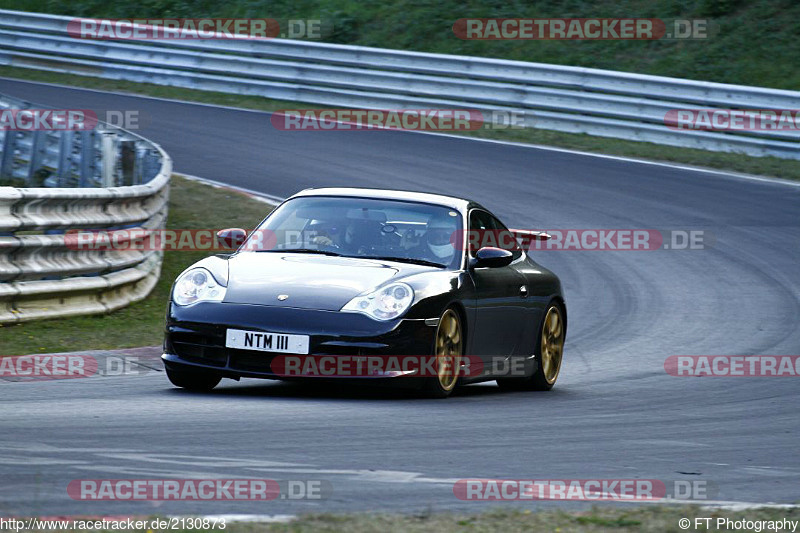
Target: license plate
column 266, row 342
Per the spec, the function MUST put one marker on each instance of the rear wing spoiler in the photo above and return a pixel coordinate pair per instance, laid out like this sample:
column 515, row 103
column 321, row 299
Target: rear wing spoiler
column 525, row 236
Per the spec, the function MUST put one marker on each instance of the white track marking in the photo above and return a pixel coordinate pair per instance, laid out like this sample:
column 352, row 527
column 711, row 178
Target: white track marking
column 744, row 506
column 260, row 196
column 377, row 476
column 260, row 518
column 199, row 460
column 258, row 465
column 720, row 504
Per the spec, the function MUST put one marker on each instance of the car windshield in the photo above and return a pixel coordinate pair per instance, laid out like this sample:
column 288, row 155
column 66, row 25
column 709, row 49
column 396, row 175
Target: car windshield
column 360, row 227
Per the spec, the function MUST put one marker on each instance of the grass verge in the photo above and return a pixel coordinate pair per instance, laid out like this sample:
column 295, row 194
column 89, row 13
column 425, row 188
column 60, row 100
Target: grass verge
column 598, row 519
column 764, row 166
column 645, row 518
column 192, row 205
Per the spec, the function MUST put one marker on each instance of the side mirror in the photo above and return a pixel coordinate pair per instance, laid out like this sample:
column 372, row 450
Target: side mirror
column 232, row 237
column 490, row 257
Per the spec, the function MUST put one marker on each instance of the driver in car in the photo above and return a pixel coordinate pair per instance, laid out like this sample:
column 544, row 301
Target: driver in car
column 437, row 243
column 350, row 235
column 329, row 234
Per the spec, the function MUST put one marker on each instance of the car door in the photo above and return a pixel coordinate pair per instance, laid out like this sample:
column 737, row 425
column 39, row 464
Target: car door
column 500, row 294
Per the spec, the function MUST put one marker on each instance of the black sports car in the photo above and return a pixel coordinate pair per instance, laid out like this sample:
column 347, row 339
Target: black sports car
column 346, row 275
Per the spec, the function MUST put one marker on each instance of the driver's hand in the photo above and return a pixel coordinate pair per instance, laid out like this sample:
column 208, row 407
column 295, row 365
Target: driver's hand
column 408, row 240
column 322, row 240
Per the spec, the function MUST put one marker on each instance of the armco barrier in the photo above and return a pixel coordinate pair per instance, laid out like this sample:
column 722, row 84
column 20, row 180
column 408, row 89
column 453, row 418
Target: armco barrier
column 570, row 99
column 104, row 178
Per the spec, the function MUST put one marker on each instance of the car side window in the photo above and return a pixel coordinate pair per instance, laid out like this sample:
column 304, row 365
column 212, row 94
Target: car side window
column 490, row 230
column 479, row 222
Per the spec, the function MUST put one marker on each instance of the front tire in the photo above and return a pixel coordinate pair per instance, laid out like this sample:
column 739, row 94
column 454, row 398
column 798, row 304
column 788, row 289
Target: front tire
column 549, row 354
column 194, row 381
column 448, row 349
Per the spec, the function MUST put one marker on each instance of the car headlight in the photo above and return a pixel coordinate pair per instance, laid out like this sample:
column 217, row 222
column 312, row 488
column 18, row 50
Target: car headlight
column 384, row 304
column 197, row 285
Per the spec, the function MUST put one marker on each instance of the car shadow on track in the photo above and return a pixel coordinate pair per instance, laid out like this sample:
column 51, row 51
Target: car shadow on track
column 353, row 391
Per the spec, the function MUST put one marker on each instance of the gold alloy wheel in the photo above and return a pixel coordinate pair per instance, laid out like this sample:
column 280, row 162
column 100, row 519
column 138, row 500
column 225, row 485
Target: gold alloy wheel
column 448, row 349
column 552, row 344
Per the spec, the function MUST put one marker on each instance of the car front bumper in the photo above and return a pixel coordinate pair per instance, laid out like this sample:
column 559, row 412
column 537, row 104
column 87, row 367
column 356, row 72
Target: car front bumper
column 195, row 336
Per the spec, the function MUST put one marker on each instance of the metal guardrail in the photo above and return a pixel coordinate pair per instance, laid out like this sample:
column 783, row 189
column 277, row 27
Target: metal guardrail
column 104, row 178
column 576, row 100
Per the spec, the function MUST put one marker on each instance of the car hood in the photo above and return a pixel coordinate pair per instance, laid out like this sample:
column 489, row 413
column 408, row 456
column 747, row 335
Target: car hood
column 309, row 281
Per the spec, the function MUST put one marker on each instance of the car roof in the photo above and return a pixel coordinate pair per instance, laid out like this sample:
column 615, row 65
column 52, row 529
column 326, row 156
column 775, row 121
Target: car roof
column 460, row 204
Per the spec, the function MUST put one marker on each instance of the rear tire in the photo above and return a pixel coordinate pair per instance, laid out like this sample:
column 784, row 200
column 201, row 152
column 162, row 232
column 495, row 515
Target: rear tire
column 194, row 381
column 549, row 354
column 448, row 349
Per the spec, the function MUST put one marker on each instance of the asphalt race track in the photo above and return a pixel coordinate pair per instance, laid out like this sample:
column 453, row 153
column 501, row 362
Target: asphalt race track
column 615, row 412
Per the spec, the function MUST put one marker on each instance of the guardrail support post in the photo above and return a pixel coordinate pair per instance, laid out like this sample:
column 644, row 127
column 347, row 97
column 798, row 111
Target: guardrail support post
column 87, row 158
column 127, row 157
column 38, row 149
column 7, row 157
column 108, row 158
column 65, row 148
